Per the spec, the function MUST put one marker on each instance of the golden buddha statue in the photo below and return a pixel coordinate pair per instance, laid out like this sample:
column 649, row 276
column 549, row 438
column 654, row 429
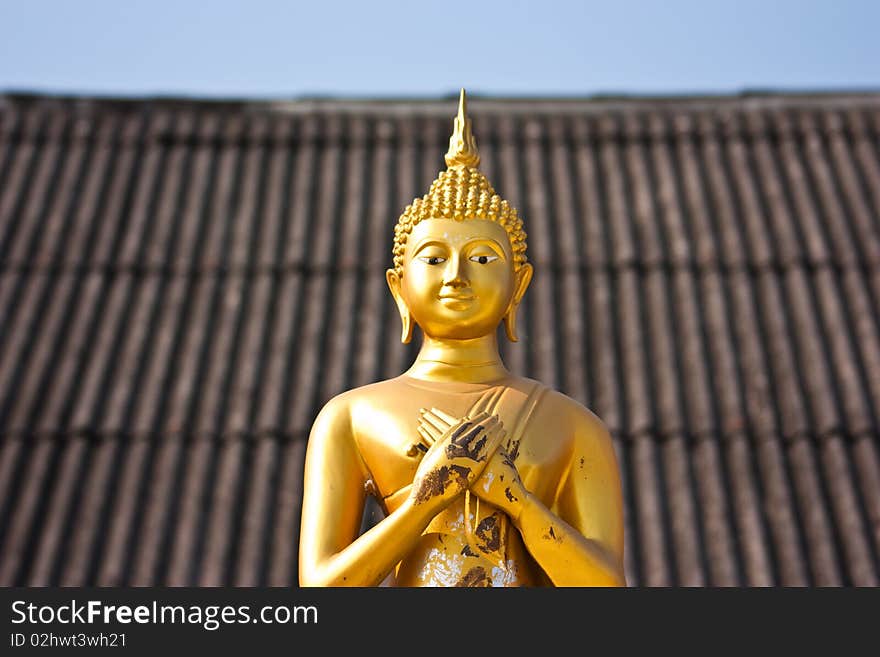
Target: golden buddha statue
column 485, row 478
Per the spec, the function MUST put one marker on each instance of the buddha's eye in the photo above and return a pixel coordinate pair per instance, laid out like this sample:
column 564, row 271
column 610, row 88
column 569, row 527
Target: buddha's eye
column 433, row 260
column 483, row 259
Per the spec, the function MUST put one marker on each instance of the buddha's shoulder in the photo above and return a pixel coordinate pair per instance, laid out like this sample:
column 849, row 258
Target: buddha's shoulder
column 555, row 407
column 344, row 401
column 336, row 416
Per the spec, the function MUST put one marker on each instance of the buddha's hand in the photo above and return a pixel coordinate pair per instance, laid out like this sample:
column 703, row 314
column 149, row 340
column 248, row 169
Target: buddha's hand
column 456, row 458
column 499, row 482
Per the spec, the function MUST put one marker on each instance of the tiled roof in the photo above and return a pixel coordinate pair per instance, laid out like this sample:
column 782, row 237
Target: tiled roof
column 184, row 284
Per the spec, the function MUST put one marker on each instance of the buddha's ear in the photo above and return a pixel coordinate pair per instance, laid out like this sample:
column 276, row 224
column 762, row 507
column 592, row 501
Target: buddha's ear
column 521, row 284
column 406, row 319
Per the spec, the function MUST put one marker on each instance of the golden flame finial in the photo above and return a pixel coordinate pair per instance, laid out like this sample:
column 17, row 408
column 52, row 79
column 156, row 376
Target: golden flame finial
column 462, row 145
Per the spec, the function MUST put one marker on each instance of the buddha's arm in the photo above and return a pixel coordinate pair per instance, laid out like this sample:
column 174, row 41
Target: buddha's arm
column 580, row 541
column 330, row 551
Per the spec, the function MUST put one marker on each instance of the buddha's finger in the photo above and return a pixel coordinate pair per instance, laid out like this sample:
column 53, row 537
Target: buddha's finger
column 432, row 412
column 484, row 418
column 471, row 430
column 420, row 447
column 494, row 431
column 469, row 439
column 428, row 419
column 437, row 421
column 488, row 444
column 466, row 426
column 432, row 432
column 448, row 419
column 490, row 421
column 429, row 432
column 477, row 417
column 494, row 437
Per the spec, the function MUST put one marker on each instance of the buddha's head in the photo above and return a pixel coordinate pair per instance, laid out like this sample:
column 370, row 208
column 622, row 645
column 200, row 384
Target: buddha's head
column 459, row 252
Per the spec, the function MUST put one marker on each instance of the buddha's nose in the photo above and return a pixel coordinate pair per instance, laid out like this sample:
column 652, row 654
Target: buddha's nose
column 454, row 276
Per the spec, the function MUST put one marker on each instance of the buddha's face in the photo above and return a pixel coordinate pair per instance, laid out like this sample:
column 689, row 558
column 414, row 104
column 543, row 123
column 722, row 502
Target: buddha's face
column 458, row 277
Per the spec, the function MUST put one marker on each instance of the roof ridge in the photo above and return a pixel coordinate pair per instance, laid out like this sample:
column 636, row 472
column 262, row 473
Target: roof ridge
column 395, row 106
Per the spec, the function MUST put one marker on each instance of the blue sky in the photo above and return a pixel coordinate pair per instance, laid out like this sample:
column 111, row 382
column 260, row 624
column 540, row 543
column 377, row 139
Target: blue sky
column 274, row 49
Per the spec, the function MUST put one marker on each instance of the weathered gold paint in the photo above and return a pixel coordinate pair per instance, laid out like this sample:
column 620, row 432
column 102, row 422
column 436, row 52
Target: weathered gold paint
column 486, row 479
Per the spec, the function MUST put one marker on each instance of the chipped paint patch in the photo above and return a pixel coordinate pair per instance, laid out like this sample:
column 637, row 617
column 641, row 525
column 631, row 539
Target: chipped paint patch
column 441, row 569
column 552, row 536
column 489, row 533
column 506, row 576
column 475, row 577
column 437, row 481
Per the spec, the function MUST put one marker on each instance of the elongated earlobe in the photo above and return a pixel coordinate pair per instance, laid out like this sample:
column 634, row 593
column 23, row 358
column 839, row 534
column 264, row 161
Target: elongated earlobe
column 407, row 321
column 523, row 278
column 510, row 324
column 406, row 318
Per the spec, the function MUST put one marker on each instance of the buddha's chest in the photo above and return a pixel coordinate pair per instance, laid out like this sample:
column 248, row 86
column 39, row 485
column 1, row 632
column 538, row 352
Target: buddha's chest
column 387, row 432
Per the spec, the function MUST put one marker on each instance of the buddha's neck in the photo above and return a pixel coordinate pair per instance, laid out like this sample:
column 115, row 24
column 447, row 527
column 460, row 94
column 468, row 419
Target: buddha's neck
column 464, row 361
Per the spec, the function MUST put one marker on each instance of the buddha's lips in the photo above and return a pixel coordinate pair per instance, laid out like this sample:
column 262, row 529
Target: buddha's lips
column 455, row 297
column 457, row 303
